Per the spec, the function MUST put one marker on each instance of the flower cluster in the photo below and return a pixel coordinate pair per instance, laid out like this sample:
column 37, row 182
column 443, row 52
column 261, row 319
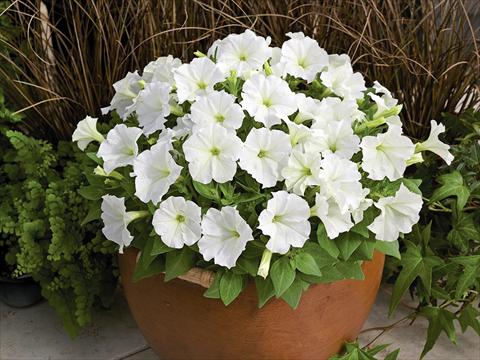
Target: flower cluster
column 254, row 143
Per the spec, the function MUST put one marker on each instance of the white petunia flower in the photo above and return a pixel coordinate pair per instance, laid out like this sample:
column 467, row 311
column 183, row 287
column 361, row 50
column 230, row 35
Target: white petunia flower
column 242, row 53
column 340, row 179
column 120, row 147
column 398, row 214
column 302, row 138
column 212, row 153
column 344, row 82
column 196, row 78
column 357, row 214
column 308, row 108
column 177, row 221
column 335, row 109
column 86, row 132
column 302, row 170
column 184, row 127
column 386, row 154
column 161, row 69
column 225, row 236
column 152, row 106
column 116, row 219
column 264, row 155
column 385, row 104
column 337, row 137
column 126, row 90
column 285, row 221
column 434, row 144
column 268, row 99
column 328, row 211
column 335, row 60
column 303, row 57
column 155, row 171
column 218, row 107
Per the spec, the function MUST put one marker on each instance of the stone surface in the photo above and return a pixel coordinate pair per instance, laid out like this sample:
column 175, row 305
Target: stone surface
column 410, row 339
column 37, row 333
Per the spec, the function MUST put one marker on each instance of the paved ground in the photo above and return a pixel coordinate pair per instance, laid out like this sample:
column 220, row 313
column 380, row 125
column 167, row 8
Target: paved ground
column 36, row 333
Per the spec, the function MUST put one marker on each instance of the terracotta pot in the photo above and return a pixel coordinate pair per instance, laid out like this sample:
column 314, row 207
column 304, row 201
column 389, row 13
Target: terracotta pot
column 179, row 323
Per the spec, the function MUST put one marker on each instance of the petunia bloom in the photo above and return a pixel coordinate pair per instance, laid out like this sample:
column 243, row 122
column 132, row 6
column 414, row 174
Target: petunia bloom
column 126, row 90
column 212, row 153
column 120, row 147
column 328, row 211
column 265, row 154
column 268, row 99
column 302, row 170
column 161, row 70
column 285, row 221
column 303, row 57
column 344, row 82
column 217, row 107
column 386, row 154
column 86, row 132
column 340, row 179
column 116, row 219
column 177, row 221
column 225, row 235
column 337, row 137
column 242, row 53
column 196, row 78
column 434, row 144
column 152, row 106
column 398, row 214
column 155, row 171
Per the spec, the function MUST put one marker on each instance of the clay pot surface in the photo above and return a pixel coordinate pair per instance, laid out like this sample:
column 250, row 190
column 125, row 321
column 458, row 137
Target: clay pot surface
column 179, row 323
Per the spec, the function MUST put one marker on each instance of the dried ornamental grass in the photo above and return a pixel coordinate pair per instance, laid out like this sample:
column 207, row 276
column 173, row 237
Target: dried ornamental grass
column 55, row 66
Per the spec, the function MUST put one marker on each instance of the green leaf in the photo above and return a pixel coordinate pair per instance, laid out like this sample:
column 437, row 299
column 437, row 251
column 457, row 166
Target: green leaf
column 248, row 265
column 438, row 320
column 305, row 263
column 413, row 266
column 159, row 246
column 350, row 270
column 388, row 248
column 265, row 290
column 393, row 355
column 467, row 280
column 321, row 256
column 452, row 185
column 213, row 292
column 227, row 190
column 208, row 191
column 364, row 251
column 469, row 317
column 293, row 294
column 179, row 262
column 413, row 185
column 91, row 192
column 282, row 274
column 93, row 214
column 231, row 286
column 464, row 229
column 93, row 156
column 146, row 267
column 328, row 245
column 347, row 243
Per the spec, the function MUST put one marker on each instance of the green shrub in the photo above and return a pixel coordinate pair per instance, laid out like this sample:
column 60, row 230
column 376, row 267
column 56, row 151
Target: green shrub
column 440, row 262
column 41, row 230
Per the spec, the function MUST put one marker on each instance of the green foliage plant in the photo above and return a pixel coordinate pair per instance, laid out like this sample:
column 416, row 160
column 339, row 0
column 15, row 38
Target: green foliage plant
column 41, row 230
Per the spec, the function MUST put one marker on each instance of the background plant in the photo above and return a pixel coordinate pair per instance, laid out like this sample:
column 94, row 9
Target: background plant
column 440, row 259
column 56, row 64
column 40, row 227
